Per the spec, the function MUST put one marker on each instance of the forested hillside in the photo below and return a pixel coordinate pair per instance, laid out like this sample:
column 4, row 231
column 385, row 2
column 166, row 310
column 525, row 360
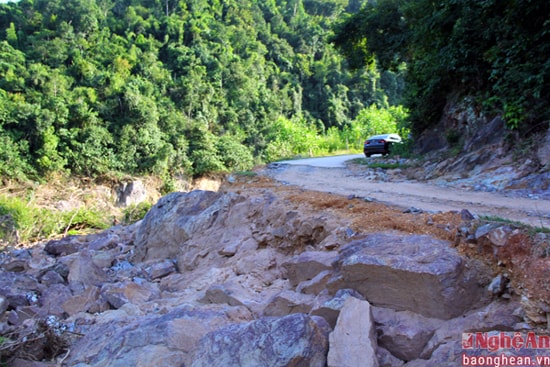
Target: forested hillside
column 165, row 87
column 493, row 52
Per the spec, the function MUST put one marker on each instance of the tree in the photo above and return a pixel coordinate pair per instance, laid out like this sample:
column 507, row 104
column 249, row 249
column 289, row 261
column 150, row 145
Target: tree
column 495, row 51
column 168, row 86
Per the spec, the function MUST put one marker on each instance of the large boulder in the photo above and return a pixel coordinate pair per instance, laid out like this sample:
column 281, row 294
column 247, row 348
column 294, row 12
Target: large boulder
column 293, row 340
column 131, row 193
column 172, row 221
column 410, row 272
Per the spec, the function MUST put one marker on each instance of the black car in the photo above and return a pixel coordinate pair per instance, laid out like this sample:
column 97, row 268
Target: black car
column 380, row 144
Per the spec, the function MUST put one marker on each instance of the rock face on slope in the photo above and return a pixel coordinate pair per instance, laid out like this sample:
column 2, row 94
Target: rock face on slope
column 245, row 279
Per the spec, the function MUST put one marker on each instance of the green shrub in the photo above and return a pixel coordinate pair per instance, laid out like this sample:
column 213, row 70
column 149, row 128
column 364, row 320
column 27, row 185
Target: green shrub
column 136, row 212
column 234, row 155
column 25, row 222
column 82, row 218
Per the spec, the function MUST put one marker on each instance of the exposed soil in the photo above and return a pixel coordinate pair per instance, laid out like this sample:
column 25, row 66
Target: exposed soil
column 395, row 189
column 365, row 216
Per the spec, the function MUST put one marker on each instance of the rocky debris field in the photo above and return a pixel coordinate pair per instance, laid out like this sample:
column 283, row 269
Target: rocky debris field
column 260, row 273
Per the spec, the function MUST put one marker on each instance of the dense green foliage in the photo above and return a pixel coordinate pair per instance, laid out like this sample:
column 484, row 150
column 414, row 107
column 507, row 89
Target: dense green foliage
column 167, row 87
column 493, row 50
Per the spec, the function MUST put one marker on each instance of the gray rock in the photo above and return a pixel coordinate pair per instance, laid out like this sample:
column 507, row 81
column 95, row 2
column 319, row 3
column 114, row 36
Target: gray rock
column 278, row 227
column 293, row 340
column 16, row 288
column 484, row 230
column 490, row 133
column 498, row 315
column 500, row 236
column 65, row 246
column 353, row 341
column 82, row 270
column 224, row 293
column 133, row 192
column 53, row 297
column 104, row 241
column 173, row 220
column 160, row 269
column 262, row 264
column 25, row 314
column 315, row 285
column 287, row 302
column 51, row 277
column 230, row 249
column 154, row 340
column 330, row 309
column 15, row 265
column 308, row 264
column 410, row 272
column 404, row 334
column 128, row 292
column 543, row 152
column 466, row 215
column 87, row 301
column 497, row 285
column 386, row 359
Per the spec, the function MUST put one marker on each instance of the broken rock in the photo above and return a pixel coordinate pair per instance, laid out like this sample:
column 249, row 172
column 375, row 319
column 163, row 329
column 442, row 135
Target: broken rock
column 418, row 273
column 404, row 334
column 308, row 264
column 330, row 309
column 172, row 221
column 293, row 340
column 287, row 302
column 353, row 341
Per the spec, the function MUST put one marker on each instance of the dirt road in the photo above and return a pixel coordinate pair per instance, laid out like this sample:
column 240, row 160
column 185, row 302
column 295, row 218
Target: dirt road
column 331, row 175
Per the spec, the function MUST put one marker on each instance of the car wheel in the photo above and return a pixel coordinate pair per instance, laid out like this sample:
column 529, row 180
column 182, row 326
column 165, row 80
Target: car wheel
column 367, row 155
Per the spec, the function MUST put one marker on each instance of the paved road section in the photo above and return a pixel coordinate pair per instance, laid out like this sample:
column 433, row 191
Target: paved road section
column 337, row 161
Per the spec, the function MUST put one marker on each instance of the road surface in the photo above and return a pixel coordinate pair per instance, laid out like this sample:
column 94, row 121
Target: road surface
column 329, row 174
column 337, row 161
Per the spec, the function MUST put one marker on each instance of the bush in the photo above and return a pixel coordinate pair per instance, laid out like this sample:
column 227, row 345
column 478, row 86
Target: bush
column 233, row 154
column 373, row 120
column 136, row 212
column 25, row 222
column 293, row 137
column 12, row 159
